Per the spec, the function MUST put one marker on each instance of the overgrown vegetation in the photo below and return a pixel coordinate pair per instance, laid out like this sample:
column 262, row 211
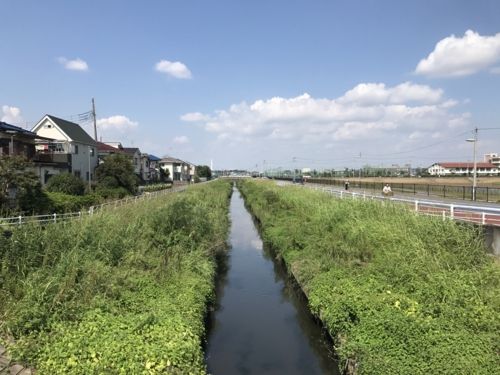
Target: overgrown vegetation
column 117, row 171
column 66, row 183
column 20, row 189
column 121, row 292
column 399, row 293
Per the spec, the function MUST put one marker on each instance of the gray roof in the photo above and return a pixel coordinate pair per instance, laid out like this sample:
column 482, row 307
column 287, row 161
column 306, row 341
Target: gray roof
column 74, row 131
column 169, row 159
column 130, row 150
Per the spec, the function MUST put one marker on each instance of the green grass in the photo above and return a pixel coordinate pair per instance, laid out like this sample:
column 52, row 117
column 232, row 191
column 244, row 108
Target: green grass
column 122, row 292
column 399, row 293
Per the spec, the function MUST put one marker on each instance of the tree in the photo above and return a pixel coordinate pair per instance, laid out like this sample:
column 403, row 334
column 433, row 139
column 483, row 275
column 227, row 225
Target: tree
column 117, row 171
column 66, row 183
column 20, row 188
column 164, row 174
column 204, row 171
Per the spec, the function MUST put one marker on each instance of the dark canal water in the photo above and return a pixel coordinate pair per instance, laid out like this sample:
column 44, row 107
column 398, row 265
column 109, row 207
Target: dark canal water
column 261, row 324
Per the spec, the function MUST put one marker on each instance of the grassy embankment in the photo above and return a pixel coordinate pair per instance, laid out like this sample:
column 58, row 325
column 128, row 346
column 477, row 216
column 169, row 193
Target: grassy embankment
column 399, row 293
column 122, row 292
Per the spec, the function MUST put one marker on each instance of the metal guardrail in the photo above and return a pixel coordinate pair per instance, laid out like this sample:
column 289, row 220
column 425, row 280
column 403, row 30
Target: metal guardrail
column 481, row 215
column 58, row 218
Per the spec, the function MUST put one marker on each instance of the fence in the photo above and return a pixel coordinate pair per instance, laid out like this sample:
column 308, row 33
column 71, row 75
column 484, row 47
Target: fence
column 483, row 194
column 473, row 214
column 58, row 218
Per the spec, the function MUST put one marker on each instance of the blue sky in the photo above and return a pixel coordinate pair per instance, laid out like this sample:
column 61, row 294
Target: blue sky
column 241, row 82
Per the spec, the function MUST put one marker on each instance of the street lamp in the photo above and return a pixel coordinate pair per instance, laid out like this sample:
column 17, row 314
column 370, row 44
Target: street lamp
column 474, row 177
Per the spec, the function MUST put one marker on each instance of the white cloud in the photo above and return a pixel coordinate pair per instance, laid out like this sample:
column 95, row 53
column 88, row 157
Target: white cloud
column 194, row 117
column 181, row 140
column 76, row 64
column 118, row 122
column 454, row 56
column 174, row 69
column 378, row 93
column 11, row 115
column 369, row 110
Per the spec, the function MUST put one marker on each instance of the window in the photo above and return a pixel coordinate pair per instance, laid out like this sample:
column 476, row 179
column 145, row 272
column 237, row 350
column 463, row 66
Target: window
column 76, row 149
column 77, row 173
column 91, row 151
column 56, row 147
column 87, row 176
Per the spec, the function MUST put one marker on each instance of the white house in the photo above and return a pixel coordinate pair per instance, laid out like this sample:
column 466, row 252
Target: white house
column 179, row 170
column 463, row 169
column 69, row 145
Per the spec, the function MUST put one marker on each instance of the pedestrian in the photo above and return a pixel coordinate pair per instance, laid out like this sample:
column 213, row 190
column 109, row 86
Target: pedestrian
column 386, row 191
column 346, row 184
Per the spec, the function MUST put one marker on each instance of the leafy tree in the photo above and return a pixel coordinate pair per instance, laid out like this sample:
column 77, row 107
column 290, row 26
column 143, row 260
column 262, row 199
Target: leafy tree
column 164, row 174
column 204, row 171
column 16, row 174
column 66, row 183
column 117, row 171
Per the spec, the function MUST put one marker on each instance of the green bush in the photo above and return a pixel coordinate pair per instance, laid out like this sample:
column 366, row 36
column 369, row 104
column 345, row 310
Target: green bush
column 61, row 202
column 111, row 193
column 66, row 183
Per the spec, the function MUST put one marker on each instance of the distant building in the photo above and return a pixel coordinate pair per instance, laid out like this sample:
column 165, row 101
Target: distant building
column 65, row 147
column 104, row 150
column 493, row 158
column 463, row 169
column 179, row 170
column 135, row 155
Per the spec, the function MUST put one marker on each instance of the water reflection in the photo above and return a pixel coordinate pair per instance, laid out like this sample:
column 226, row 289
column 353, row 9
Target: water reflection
column 261, row 324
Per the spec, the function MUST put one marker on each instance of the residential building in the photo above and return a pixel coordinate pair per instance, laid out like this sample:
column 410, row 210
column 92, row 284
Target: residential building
column 463, row 169
column 16, row 141
column 178, row 169
column 135, row 156
column 65, row 147
column 154, row 168
column 104, row 150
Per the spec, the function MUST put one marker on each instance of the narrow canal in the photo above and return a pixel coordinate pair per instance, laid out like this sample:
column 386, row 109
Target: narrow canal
column 261, row 324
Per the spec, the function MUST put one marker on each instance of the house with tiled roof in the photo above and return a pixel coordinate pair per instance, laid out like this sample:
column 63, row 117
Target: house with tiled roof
column 66, row 144
column 463, row 169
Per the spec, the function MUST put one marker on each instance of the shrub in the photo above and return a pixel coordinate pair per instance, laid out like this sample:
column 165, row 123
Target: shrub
column 66, row 183
column 61, row 202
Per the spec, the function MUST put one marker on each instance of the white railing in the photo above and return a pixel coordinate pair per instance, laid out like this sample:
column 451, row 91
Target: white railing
column 482, row 215
column 58, row 218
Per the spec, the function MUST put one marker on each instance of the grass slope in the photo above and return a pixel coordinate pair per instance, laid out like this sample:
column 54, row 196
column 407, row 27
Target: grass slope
column 399, row 293
column 122, row 292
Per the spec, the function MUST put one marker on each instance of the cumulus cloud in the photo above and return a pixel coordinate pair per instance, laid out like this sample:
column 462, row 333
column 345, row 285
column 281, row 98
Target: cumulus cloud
column 181, row 140
column 76, row 64
column 194, row 117
column 11, row 115
column 174, row 69
column 461, row 56
column 369, row 110
column 118, row 122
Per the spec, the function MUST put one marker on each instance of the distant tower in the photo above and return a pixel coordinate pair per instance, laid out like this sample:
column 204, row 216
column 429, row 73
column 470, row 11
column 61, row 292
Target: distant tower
column 211, row 164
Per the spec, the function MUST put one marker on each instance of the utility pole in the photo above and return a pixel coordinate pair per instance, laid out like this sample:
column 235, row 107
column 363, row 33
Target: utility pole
column 293, row 160
column 95, row 120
